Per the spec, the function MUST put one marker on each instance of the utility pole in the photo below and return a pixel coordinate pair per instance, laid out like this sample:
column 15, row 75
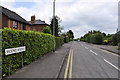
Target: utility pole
column 54, row 26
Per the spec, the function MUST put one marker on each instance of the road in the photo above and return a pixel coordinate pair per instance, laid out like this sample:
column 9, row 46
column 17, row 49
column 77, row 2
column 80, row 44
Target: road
column 87, row 61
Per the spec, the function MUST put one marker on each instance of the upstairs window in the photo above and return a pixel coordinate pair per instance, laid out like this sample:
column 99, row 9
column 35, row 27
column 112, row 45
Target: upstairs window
column 15, row 24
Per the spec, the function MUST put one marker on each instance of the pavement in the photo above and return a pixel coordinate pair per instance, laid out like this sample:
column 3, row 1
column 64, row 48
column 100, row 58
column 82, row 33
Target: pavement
column 109, row 48
column 88, row 62
column 47, row 66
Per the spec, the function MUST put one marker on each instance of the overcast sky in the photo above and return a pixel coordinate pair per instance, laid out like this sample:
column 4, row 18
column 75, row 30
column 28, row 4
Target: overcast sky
column 80, row 16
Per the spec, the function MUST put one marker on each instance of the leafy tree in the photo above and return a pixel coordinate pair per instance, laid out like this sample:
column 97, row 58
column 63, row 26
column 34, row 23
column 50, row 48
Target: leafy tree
column 70, row 34
column 98, row 38
column 115, row 39
column 46, row 30
column 58, row 28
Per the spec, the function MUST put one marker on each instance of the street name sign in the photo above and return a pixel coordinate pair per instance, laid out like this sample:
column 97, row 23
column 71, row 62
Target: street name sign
column 14, row 50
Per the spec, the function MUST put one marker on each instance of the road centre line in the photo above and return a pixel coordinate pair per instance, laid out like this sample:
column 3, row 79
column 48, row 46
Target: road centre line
column 93, row 52
column 112, row 65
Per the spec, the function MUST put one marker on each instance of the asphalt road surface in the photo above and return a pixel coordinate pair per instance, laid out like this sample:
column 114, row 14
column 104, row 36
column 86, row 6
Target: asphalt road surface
column 87, row 61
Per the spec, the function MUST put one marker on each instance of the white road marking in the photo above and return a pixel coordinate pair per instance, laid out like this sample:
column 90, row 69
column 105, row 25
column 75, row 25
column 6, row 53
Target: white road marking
column 86, row 47
column 112, row 65
column 81, row 45
column 93, row 52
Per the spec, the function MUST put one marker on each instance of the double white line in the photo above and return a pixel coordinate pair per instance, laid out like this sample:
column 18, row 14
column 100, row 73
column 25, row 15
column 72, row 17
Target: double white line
column 69, row 66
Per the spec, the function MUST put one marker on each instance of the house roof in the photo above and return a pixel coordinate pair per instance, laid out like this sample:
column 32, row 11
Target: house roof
column 12, row 15
column 39, row 22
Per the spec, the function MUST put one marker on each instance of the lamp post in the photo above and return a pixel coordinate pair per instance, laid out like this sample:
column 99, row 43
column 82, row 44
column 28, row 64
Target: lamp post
column 54, row 26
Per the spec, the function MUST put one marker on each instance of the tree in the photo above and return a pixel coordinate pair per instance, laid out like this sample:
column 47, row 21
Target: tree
column 115, row 39
column 58, row 28
column 70, row 34
column 46, row 30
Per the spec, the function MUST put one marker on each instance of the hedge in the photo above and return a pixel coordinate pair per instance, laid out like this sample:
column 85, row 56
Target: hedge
column 94, row 38
column 115, row 39
column 118, row 46
column 59, row 42
column 66, row 39
column 37, row 44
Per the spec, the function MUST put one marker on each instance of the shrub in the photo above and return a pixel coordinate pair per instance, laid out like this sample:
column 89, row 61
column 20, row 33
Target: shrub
column 66, row 39
column 46, row 30
column 59, row 42
column 37, row 44
column 118, row 46
column 115, row 39
column 98, row 38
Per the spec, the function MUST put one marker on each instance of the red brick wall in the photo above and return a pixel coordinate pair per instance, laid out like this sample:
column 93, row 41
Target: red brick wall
column 0, row 20
column 37, row 27
column 4, row 21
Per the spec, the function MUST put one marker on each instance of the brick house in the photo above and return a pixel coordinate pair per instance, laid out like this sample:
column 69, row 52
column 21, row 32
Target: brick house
column 37, row 25
column 12, row 20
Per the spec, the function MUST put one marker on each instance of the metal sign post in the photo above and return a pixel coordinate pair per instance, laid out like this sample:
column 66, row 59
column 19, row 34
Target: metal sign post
column 13, row 51
column 9, row 70
column 22, row 60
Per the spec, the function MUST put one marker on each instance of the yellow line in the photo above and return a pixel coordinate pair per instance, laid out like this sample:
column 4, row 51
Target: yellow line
column 66, row 70
column 70, row 73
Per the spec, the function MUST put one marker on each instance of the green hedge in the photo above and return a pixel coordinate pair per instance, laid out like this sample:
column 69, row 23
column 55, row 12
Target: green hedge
column 115, row 39
column 37, row 44
column 66, row 39
column 59, row 42
column 94, row 38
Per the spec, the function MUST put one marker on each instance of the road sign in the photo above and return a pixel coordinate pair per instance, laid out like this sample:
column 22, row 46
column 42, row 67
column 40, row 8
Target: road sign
column 14, row 50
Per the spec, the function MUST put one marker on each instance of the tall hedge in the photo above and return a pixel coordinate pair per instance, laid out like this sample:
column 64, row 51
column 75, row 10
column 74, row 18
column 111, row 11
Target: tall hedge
column 66, row 39
column 115, row 39
column 37, row 44
column 59, row 42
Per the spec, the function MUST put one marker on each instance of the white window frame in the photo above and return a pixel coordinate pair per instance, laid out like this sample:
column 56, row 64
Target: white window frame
column 15, row 24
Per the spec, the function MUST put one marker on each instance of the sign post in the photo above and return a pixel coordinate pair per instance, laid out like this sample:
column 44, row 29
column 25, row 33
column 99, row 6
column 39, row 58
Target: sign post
column 10, row 51
column 22, row 60
column 9, row 69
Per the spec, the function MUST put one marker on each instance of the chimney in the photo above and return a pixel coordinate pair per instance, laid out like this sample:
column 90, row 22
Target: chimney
column 33, row 19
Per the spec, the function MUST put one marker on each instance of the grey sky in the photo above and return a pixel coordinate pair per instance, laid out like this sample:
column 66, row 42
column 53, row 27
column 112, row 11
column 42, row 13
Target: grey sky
column 77, row 15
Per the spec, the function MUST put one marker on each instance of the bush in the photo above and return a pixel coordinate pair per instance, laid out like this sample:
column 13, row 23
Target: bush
column 96, row 38
column 46, row 30
column 118, row 46
column 59, row 42
column 37, row 44
column 66, row 39
column 115, row 39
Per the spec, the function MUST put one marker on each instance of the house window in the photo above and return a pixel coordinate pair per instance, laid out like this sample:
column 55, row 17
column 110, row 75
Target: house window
column 15, row 24
column 24, row 27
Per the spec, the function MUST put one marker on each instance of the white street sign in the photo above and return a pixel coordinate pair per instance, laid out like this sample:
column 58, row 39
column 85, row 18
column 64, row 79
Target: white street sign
column 14, row 50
